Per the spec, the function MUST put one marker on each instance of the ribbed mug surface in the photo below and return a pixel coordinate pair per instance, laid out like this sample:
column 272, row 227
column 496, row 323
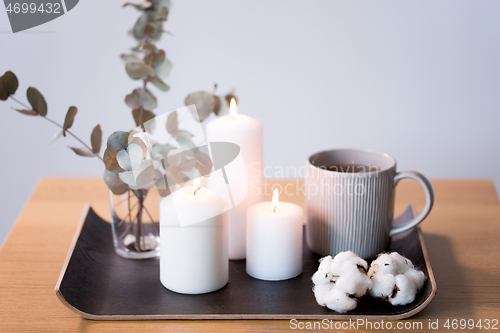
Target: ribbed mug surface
column 349, row 211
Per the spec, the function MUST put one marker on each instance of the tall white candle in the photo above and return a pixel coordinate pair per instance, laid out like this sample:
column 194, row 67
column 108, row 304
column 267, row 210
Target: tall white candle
column 193, row 233
column 247, row 133
column 274, row 240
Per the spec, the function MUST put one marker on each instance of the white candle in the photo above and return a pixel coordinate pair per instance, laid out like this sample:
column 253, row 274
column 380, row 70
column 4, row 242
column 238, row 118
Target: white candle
column 274, row 240
column 246, row 132
column 193, row 233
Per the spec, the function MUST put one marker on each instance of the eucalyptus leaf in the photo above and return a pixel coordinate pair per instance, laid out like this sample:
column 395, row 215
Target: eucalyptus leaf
column 155, row 59
column 133, row 99
column 163, row 70
column 137, row 48
column 8, row 85
column 162, row 186
column 37, row 101
column 128, row 178
column 148, row 100
column 96, row 139
column 204, row 163
column 139, row 26
column 110, row 161
column 162, row 13
column 148, row 176
column 175, row 173
column 140, row 143
column 140, row 6
column 84, row 151
column 161, row 151
column 159, row 83
column 130, row 58
column 150, row 30
column 139, row 70
column 143, row 177
column 115, row 184
column 117, row 141
column 147, row 119
column 172, row 123
column 139, row 98
column 159, row 3
column 70, row 117
column 131, row 158
column 217, row 105
column 148, row 47
column 204, row 101
column 27, row 112
column 184, row 139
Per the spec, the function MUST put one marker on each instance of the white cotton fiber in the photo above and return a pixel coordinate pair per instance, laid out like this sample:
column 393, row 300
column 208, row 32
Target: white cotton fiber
column 404, row 292
column 417, row 277
column 322, row 293
column 346, row 281
column 395, row 279
column 340, row 301
column 382, row 285
column 323, row 275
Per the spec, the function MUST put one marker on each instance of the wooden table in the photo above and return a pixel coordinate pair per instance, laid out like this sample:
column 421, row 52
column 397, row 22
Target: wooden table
column 461, row 234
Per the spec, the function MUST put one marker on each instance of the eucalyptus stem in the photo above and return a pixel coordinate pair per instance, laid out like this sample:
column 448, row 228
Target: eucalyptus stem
column 22, row 104
column 58, row 125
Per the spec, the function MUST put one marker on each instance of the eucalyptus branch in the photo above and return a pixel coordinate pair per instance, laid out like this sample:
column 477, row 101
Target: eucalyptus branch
column 58, row 125
column 74, row 136
column 21, row 103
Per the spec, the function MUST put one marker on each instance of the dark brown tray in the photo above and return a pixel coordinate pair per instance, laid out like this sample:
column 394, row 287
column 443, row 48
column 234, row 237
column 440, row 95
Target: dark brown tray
column 97, row 284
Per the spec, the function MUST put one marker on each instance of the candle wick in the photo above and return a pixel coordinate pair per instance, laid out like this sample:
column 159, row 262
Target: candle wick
column 196, row 190
column 275, row 209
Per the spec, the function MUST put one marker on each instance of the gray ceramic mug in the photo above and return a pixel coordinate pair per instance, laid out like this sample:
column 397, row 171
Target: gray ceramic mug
column 350, row 201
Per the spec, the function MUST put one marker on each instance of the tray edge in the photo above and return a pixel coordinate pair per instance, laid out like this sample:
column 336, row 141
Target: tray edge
column 83, row 217
column 86, row 315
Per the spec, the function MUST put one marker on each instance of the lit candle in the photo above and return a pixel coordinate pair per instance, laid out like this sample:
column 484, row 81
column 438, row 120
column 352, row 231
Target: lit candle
column 246, row 132
column 193, row 233
column 274, row 240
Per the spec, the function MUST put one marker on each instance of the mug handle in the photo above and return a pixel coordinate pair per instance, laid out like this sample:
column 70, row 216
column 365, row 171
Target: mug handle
column 429, row 199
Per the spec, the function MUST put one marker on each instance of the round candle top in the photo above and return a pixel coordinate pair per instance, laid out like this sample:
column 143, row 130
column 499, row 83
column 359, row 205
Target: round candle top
column 190, row 205
column 234, row 122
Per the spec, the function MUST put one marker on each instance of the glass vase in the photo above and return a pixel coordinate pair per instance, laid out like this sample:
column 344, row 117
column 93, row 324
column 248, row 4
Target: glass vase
column 135, row 223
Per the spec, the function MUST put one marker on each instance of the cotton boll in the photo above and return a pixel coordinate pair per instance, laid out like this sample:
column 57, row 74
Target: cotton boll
column 417, row 277
column 354, row 282
column 382, row 285
column 344, row 261
column 404, row 291
column 383, row 265
column 401, row 263
column 322, row 292
column 340, row 301
column 340, row 280
column 323, row 275
column 395, row 279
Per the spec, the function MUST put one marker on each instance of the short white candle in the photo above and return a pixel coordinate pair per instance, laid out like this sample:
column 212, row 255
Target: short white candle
column 194, row 243
column 247, row 133
column 274, row 240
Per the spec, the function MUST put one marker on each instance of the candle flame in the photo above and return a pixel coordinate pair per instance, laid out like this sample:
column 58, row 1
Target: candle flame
column 275, row 199
column 196, row 184
column 233, row 110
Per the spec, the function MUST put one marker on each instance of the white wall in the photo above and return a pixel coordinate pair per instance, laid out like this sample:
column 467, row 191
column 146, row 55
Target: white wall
column 417, row 79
